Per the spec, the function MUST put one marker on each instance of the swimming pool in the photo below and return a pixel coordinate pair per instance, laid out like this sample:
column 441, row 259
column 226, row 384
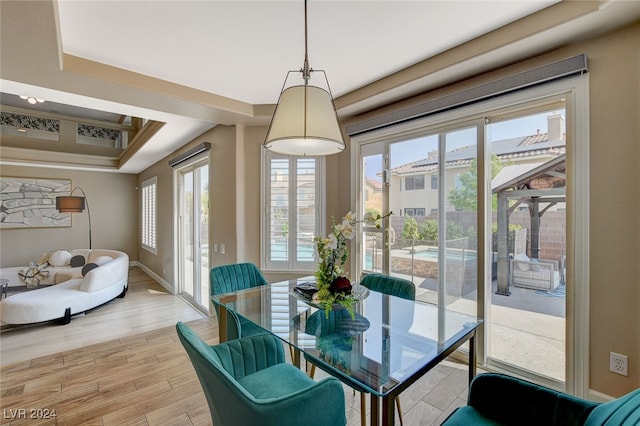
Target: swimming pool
column 432, row 254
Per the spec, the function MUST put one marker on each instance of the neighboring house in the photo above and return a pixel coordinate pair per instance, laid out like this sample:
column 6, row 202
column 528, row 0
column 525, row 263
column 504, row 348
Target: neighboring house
column 373, row 194
column 416, row 184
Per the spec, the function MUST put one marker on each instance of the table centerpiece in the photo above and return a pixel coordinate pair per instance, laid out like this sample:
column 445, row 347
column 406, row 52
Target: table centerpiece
column 334, row 288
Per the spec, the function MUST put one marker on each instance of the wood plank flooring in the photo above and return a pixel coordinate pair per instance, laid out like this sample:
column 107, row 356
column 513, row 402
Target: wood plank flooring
column 143, row 376
column 147, row 306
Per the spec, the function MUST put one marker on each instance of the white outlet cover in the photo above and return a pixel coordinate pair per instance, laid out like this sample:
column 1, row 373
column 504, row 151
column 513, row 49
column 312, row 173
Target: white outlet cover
column 618, row 364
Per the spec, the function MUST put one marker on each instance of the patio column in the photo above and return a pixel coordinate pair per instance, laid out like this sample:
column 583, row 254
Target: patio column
column 503, row 247
column 534, row 209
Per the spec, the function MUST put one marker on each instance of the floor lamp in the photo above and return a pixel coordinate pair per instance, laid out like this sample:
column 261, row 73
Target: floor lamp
column 74, row 204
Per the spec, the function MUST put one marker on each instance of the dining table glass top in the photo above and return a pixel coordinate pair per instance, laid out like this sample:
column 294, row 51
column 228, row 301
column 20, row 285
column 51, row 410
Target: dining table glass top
column 388, row 342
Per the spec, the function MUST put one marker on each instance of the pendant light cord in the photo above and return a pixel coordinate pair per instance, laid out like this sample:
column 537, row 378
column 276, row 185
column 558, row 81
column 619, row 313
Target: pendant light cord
column 306, row 71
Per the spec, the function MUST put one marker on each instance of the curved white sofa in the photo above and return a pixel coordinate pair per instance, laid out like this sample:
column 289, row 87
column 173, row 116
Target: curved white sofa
column 75, row 295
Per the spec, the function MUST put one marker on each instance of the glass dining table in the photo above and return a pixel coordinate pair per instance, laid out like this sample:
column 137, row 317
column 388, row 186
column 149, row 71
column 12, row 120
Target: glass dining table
column 387, row 345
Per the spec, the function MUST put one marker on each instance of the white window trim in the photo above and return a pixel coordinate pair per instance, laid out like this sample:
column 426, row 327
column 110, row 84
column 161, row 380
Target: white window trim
column 291, row 265
column 149, row 243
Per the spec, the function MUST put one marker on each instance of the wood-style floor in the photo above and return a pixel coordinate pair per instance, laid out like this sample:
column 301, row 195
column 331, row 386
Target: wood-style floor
column 89, row 374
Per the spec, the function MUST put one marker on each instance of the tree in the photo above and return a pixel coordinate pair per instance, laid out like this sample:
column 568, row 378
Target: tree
column 465, row 197
column 410, row 228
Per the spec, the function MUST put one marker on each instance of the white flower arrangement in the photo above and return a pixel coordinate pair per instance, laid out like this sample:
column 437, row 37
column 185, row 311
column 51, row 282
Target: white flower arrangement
column 333, row 286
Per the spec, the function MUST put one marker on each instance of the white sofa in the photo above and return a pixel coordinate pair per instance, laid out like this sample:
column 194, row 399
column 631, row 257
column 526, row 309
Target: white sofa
column 73, row 293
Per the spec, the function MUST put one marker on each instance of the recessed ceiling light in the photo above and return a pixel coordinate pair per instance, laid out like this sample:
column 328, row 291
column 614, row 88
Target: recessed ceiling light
column 31, row 99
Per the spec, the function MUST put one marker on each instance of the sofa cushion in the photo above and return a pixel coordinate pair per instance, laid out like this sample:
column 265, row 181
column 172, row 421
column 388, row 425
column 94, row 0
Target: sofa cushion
column 523, row 258
column 88, row 267
column 77, row 260
column 60, row 258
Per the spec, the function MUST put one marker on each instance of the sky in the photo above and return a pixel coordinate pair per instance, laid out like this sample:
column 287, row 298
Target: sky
column 418, row 148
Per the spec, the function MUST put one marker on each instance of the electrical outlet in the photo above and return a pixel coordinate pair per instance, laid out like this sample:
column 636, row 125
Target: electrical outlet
column 618, row 364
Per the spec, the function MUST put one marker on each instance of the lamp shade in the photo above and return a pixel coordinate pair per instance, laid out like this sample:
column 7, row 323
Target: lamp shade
column 305, row 123
column 70, row 204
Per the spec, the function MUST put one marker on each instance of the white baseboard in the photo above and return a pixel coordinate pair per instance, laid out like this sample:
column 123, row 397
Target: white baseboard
column 156, row 277
column 599, row 396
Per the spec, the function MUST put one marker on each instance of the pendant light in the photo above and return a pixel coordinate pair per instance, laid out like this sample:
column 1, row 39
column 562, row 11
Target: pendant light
column 305, row 121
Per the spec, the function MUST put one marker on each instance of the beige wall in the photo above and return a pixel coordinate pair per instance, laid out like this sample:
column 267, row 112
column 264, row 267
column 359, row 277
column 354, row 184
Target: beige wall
column 114, row 217
column 222, row 200
column 614, row 92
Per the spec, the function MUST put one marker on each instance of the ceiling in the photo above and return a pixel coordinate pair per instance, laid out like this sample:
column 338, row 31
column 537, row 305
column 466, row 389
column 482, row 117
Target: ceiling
column 195, row 64
column 243, row 49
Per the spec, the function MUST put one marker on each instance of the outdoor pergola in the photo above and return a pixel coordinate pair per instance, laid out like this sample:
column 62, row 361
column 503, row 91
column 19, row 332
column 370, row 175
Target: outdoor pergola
column 540, row 187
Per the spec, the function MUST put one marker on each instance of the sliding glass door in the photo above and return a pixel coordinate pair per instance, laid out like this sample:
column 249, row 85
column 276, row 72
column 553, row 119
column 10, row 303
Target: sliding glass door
column 193, row 249
column 405, row 177
column 481, row 221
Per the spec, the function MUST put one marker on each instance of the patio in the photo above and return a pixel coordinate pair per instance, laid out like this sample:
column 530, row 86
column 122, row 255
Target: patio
column 527, row 328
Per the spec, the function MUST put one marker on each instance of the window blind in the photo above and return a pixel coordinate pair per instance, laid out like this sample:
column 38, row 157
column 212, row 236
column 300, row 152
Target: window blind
column 555, row 70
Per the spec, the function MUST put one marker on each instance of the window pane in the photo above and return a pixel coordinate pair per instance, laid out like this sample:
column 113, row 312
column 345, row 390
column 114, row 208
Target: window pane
column 305, row 209
column 148, row 232
column 291, row 218
column 408, row 183
column 279, row 202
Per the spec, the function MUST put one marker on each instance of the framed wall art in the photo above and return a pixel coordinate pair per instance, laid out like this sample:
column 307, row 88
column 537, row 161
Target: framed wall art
column 31, row 203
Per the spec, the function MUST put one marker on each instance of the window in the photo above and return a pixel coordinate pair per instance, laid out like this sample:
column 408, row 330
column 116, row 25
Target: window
column 434, row 181
column 149, row 205
column 412, row 183
column 457, row 184
column 414, row 211
column 294, row 201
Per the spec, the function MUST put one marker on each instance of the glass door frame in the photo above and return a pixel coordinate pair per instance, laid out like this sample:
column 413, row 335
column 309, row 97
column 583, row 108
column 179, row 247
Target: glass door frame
column 199, row 300
column 575, row 92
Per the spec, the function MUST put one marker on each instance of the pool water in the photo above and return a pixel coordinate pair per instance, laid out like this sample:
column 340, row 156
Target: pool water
column 432, row 254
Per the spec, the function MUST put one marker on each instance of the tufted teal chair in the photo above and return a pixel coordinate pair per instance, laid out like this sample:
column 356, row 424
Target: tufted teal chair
column 234, row 277
column 247, row 382
column 498, row 399
column 390, row 285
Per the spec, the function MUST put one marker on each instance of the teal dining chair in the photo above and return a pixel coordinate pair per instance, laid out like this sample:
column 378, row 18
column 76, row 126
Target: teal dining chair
column 385, row 284
column 234, row 277
column 498, row 399
column 247, row 382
